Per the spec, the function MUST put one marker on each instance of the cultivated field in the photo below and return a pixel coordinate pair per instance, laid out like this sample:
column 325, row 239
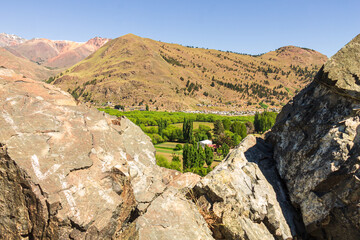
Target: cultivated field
column 167, row 150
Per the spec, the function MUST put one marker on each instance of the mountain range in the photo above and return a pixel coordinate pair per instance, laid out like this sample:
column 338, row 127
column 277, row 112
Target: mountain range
column 41, row 58
column 10, row 40
column 134, row 71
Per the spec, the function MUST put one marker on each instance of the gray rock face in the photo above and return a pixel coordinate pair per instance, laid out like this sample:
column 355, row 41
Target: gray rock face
column 243, row 196
column 75, row 174
column 69, row 172
column 342, row 72
column 166, row 213
column 316, row 142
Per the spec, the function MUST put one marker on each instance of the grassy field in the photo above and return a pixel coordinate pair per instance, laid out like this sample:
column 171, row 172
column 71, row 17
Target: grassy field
column 166, row 149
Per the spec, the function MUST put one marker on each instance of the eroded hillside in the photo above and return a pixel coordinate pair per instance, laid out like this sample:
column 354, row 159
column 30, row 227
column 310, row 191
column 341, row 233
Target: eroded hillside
column 22, row 67
column 56, row 54
column 134, row 71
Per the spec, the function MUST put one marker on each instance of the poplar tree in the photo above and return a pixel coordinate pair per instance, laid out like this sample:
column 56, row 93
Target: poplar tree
column 187, row 130
column 209, row 156
column 201, row 157
column 186, row 157
column 162, row 124
column 193, row 156
column 218, row 127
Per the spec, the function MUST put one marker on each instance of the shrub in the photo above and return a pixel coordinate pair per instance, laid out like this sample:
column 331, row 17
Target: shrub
column 178, row 147
column 163, row 162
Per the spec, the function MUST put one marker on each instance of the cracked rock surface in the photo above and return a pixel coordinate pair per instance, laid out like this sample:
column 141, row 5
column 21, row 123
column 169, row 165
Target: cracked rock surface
column 70, row 172
column 316, row 142
column 169, row 211
column 245, row 198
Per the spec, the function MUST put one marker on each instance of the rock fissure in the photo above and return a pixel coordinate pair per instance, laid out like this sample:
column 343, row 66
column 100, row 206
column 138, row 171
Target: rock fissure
column 78, row 169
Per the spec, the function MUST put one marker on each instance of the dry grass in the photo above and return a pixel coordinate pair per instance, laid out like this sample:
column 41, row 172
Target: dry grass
column 204, row 209
column 131, row 70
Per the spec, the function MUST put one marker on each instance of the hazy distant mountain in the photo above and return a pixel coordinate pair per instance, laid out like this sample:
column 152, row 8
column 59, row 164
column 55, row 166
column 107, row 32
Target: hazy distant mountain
column 18, row 67
column 131, row 70
column 10, row 40
column 42, row 58
column 56, row 54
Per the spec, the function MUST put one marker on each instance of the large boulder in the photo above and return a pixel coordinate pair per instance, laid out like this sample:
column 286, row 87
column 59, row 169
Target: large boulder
column 170, row 216
column 70, row 172
column 244, row 198
column 316, row 142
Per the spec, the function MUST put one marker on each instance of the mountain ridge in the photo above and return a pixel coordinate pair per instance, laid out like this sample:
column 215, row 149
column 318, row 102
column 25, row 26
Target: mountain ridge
column 10, row 39
column 41, row 58
column 127, row 69
column 56, row 53
column 22, row 67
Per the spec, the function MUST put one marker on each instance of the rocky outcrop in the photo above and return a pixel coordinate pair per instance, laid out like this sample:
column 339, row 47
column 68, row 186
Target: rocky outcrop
column 70, row 172
column 172, row 216
column 68, row 166
column 342, row 72
column 243, row 197
column 316, row 147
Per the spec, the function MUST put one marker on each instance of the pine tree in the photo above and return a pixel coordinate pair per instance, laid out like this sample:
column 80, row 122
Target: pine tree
column 264, row 121
column 257, row 122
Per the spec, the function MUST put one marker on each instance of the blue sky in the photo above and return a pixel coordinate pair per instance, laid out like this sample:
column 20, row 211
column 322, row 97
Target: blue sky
column 242, row 26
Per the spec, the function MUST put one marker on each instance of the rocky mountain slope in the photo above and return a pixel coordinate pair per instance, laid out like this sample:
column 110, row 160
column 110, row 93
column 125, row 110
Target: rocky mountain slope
column 132, row 71
column 10, row 40
column 71, row 172
column 23, row 67
column 56, row 54
column 40, row 59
